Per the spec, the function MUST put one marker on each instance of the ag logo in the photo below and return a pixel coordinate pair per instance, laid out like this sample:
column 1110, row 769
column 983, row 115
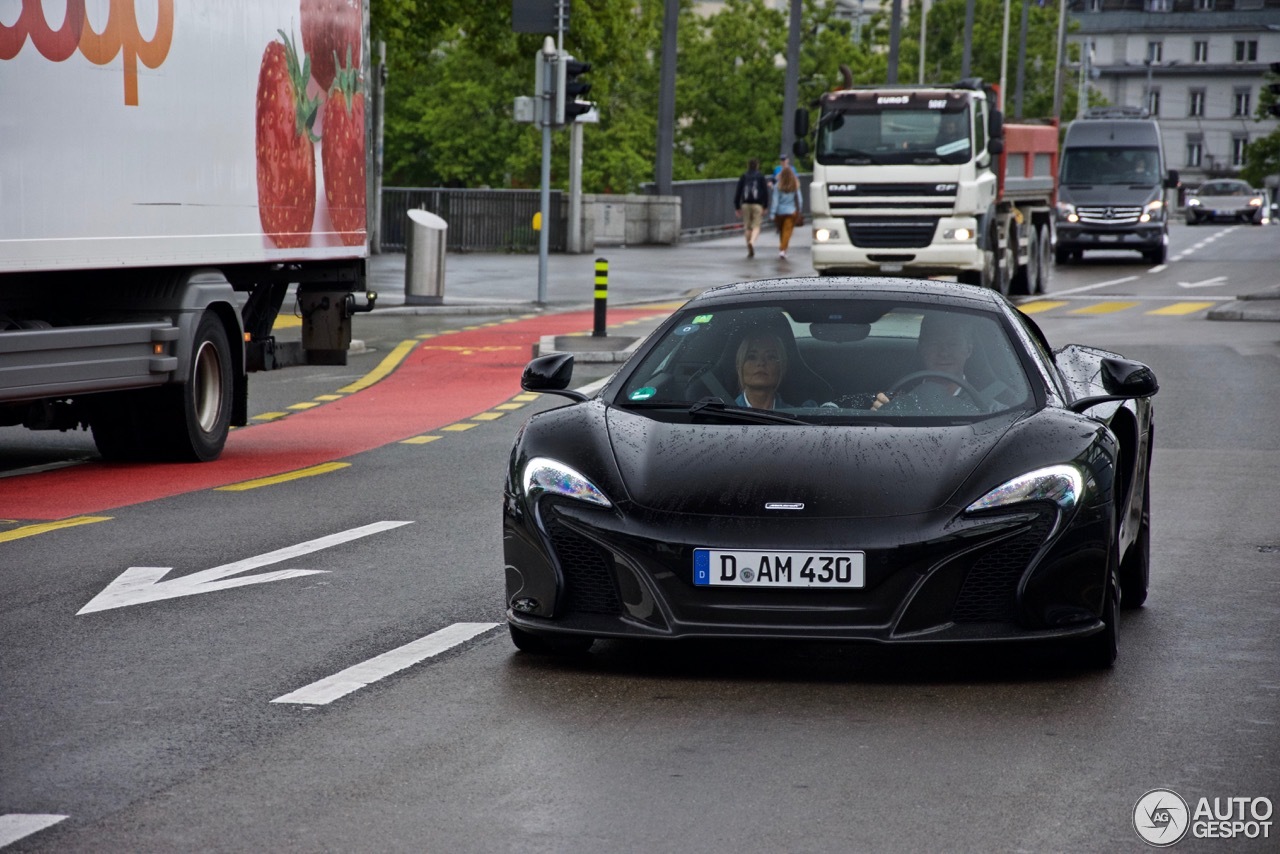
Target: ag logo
column 1161, row 817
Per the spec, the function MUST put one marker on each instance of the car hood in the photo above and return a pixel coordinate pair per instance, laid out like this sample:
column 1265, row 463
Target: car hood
column 1107, row 194
column 837, row 471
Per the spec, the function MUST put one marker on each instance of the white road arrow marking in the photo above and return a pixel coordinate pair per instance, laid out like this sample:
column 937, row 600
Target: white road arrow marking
column 15, row 826
column 139, row 584
column 1216, row 281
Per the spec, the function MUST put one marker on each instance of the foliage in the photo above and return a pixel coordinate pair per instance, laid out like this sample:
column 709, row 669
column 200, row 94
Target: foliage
column 1262, row 157
column 455, row 68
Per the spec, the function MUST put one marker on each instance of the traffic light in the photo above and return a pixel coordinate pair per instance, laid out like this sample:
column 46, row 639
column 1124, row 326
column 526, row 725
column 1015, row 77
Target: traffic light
column 570, row 89
column 1274, row 86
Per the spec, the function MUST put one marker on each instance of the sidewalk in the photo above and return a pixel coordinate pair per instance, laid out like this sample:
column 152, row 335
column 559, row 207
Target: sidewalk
column 488, row 283
column 476, row 283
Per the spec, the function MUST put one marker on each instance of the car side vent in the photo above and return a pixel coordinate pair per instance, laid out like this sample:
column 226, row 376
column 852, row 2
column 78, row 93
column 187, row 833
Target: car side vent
column 989, row 592
column 588, row 572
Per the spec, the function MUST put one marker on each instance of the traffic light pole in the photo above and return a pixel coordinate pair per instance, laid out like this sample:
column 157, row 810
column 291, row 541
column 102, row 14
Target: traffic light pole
column 548, row 98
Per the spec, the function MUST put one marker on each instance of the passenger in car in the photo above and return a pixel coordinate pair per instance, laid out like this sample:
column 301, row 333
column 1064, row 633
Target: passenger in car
column 761, row 363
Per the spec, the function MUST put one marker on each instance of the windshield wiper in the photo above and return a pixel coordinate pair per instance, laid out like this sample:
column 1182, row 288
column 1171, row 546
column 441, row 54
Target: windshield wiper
column 716, row 406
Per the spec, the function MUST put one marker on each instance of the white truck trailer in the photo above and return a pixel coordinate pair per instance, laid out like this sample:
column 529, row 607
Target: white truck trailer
column 169, row 171
column 929, row 181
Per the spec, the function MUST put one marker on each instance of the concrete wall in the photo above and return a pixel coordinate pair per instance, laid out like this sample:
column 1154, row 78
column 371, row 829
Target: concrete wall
column 634, row 220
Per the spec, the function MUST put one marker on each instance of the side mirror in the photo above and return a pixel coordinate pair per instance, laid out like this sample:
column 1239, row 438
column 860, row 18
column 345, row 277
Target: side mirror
column 551, row 373
column 1173, row 181
column 1123, row 380
column 995, row 145
column 995, row 125
column 800, row 148
column 801, row 125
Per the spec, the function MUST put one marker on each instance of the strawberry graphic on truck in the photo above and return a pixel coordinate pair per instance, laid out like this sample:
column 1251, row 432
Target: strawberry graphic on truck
column 285, row 145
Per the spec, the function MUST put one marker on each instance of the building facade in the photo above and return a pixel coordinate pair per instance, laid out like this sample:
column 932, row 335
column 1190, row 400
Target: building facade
column 1198, row 66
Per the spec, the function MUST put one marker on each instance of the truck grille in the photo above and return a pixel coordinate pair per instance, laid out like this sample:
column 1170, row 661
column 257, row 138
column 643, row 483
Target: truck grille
column 1109, row 215
column 898, row 233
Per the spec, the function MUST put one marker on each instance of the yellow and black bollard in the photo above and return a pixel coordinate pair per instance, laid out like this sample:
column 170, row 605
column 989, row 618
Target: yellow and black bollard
column 602, row 296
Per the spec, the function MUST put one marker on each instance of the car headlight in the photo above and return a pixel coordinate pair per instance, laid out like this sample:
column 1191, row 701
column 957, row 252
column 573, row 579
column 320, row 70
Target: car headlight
column 1063, row 485
column 958, row 234
column 546, row 475
column 1193, row 203
column 1255, row 202
column 1151, row 211
column 822, row 235
column 1068, row 212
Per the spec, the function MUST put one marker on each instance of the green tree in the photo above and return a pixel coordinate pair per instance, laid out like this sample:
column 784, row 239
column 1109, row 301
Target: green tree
column 1262, row 156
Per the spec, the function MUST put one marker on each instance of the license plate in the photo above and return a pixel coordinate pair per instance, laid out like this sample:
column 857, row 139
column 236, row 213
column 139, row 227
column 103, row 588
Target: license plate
column 758, row 568
column 1108, row 238
column 890, row 268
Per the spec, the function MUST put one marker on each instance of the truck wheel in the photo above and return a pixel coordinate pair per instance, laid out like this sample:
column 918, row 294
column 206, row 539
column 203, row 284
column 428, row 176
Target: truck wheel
column 197, row 414
column 1021, row 278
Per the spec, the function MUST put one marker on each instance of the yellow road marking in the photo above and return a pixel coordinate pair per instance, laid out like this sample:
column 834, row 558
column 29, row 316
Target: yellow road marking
column 419, row 440
column 323, row 468
column 307, row 405
column 1041, row 305
column 328, row 397
column 509, row 406
column 1104, row 308
column 46, row 527
column 386, row 366
column 1182, row 308
column 458, row 428
column 268, row 416
column 488, row 416
column 286, row 321
column 528, row 396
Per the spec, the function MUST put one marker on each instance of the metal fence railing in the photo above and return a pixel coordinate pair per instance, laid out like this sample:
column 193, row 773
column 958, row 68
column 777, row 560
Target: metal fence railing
column 479, row 220
column 502, row 220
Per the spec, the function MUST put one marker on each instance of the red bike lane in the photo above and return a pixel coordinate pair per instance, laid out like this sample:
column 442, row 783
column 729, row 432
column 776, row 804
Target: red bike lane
column 444, row 379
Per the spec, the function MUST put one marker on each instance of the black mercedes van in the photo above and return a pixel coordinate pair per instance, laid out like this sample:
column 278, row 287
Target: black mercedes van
column 1111, row 185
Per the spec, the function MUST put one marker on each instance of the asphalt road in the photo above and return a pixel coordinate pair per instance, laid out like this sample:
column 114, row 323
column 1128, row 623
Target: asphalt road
column 151, row 726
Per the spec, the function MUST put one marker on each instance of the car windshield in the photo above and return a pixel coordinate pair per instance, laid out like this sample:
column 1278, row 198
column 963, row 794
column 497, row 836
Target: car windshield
column 829, row 361
column 1110, row 166
column 1225, row 188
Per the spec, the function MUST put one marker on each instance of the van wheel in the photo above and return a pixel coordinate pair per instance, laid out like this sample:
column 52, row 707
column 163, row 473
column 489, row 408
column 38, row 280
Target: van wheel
column 1062, row 257
column 1156, row 256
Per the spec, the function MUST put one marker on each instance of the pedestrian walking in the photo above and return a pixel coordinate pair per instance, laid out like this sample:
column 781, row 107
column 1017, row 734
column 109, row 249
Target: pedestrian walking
column 750, row 200
column 786, row 208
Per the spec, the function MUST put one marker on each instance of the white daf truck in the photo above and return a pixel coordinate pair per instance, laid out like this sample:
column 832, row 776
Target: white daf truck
column 169, row 170
column 929, row 181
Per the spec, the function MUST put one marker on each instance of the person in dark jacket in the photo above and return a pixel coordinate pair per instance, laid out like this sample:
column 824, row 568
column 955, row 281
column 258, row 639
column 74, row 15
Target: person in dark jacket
column 750, row 200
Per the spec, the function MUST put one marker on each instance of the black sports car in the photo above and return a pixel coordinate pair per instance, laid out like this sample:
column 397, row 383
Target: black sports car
column 860, row 459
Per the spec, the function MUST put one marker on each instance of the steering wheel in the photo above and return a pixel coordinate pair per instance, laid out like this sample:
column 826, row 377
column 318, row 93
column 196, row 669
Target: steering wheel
column 967, row 386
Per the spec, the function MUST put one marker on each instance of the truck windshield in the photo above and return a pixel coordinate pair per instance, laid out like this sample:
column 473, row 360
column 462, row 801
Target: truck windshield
column 864, row 134
column 1110, row 166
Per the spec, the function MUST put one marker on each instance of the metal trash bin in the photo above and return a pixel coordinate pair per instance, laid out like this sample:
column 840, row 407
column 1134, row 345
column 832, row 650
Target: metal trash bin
column 424, row 260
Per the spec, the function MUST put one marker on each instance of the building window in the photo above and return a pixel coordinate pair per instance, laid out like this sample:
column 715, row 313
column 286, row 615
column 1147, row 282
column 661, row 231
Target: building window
column 1155, row 51
column 1157, row 5
column 1094, row 5
column 1200, row 52
column 1204, row 5
column 1242, row 105
column 1195, row 104
column 1238, row 145
column 1195, row 152
column 1247, row 51
column 1153, row 101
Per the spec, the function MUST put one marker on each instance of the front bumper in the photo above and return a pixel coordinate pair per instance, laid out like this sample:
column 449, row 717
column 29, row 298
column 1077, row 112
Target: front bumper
column 922, row 253
column 1013, row 577
column 1144, row 237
